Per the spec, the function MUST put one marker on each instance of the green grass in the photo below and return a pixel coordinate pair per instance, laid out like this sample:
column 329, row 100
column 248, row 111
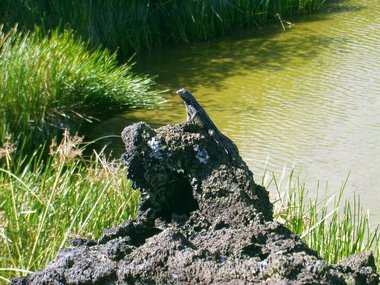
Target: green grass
column 45, row 202
column 48, row 83
column 334, row 227
column 143, row 24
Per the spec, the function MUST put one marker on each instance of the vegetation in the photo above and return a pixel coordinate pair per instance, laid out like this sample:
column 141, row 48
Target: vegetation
column 50, row 80
column 47, row 84
column 44, row 203
column 139, row 24
column 51, row 83
column 333, row 227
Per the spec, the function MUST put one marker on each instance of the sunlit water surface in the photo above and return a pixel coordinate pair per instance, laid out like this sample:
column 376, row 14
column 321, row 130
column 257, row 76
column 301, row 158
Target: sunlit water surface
column 308, row 97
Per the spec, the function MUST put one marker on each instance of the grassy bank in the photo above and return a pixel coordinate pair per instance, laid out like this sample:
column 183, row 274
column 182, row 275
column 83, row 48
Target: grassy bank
column 49, row 83
column 45, row 202
column 143, row 24
column 334, row 227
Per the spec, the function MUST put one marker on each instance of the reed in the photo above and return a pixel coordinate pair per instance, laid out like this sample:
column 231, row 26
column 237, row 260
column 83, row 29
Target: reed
column 44, row 202
column 49, row 83
column 143, row 24
column 334, row 227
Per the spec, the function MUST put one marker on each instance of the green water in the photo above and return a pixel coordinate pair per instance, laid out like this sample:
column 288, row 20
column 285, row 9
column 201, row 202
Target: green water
column 308, row 97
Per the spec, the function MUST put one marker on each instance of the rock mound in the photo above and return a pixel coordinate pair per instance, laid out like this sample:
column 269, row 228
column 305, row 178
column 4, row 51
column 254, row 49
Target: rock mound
column 202, row 220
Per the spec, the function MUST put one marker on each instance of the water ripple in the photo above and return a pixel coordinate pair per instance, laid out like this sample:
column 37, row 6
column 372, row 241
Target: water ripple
column 310, row 95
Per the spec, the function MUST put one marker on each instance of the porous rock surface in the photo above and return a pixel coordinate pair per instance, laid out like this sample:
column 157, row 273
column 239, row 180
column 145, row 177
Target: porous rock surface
column 202, row 220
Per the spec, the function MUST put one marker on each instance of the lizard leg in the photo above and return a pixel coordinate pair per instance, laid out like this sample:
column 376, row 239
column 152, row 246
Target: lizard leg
column 191, row 114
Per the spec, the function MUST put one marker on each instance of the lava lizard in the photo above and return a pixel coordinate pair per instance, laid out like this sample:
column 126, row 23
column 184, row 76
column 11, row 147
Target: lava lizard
column 197, row 115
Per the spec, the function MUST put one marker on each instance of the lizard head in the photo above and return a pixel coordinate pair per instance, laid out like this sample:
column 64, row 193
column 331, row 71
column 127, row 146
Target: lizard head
column 186, row 96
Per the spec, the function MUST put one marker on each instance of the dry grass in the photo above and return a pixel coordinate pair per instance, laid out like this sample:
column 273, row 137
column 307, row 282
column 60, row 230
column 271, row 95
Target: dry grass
column 46, row 201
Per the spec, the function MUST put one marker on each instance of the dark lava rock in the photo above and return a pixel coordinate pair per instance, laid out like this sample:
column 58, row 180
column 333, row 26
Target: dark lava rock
column 202, row 220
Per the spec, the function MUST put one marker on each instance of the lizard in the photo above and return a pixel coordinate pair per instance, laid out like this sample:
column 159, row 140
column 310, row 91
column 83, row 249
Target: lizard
column 197, row 115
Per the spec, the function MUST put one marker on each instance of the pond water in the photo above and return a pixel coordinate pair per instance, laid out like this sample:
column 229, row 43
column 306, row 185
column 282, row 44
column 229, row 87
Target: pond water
column 307, row 97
